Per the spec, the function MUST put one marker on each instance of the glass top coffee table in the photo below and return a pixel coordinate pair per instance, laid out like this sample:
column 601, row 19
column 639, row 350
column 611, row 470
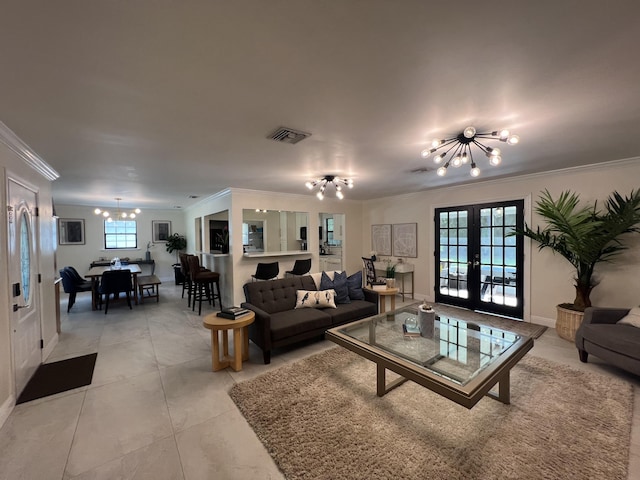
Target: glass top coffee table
column 459, row 360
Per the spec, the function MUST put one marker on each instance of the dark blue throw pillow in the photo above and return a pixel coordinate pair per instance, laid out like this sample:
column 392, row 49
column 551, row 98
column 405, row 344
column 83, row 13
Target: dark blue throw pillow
column 354, row 283
column 339, row 284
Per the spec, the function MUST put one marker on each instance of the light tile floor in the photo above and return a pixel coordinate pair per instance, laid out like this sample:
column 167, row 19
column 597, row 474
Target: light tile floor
column 155, row 409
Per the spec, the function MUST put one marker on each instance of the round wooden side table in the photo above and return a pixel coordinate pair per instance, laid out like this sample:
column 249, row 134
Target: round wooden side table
column 389, row 292
column 240, row 328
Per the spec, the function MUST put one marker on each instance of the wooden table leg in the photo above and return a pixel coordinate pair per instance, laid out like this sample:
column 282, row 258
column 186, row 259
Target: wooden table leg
column 245, row 344
column 383, row 304
column 393, row 302
column 237, row 349
column 215, row 352
column 225, row 343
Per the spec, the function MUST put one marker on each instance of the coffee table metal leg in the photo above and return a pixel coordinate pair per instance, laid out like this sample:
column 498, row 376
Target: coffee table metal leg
column 382, row 387
column 504, row 390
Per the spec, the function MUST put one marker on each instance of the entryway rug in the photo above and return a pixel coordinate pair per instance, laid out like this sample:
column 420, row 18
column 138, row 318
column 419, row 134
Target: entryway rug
column 56, row 377
column 320, row 418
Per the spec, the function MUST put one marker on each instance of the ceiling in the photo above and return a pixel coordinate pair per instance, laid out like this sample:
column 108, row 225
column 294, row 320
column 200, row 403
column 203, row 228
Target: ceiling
column 157, row 101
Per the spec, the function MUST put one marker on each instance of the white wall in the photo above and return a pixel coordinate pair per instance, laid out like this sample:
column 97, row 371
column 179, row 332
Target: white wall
column 549, row 281
column 238, row 269
column 81, row 256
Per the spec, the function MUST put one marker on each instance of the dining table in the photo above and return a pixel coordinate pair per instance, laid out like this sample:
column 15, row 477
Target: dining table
column 95, row 273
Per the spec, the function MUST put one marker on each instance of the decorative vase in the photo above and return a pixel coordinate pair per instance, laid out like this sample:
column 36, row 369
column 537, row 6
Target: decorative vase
column 391, row 283
column 373, row 258
column 147, row 256
column 224, row 248
column 426, row 320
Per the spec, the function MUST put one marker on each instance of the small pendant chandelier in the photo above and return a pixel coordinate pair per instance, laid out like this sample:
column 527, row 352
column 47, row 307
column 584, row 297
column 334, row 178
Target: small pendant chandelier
column 120, row 215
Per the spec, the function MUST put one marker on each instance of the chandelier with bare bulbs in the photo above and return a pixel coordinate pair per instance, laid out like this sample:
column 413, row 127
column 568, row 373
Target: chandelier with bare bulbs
column 460, row 151
column 323, row 182
column 120, row 214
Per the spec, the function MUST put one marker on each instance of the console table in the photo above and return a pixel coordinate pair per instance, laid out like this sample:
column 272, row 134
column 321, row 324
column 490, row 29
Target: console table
column 136, row 261
column 402, row 269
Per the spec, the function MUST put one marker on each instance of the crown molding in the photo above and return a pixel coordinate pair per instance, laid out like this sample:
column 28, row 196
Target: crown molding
column 31, row 158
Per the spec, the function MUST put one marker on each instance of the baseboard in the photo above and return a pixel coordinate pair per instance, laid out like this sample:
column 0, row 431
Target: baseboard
column 49, row 347
column 6, row 409
column 547, row 322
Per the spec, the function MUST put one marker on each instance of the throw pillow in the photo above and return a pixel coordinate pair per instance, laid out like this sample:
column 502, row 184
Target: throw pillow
column 315, row 299
column 354, row 283
column 632, row 318
column 339, row 284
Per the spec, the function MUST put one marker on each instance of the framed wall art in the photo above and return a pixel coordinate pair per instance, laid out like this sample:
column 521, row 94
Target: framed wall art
column 381, row 239
column 405, row 241
column 161, row 230
column 71, row 231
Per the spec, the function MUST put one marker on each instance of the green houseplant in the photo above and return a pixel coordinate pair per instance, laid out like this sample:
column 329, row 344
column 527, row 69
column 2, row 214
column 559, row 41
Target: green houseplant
column 585, row 235
column 390, row 274
column 176, row 243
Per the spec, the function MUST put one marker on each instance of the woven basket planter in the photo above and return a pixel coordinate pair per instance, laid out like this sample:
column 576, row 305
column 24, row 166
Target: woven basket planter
column 567, row 323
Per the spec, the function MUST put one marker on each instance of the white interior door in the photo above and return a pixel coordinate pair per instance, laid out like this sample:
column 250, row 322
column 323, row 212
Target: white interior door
column 23, row 261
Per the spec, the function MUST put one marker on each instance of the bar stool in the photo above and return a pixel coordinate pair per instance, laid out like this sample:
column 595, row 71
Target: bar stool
column 202, row 282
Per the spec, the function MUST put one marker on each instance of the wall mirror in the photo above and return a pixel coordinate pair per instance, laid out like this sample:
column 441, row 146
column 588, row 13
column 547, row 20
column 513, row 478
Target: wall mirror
column 265, row 231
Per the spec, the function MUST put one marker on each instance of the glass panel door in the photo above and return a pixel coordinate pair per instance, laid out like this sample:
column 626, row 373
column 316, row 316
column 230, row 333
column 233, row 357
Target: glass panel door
column 479, row 266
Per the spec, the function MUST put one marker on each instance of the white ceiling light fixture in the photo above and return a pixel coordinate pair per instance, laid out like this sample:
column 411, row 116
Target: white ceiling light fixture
column 120, row 215
column 337, row 182
column 460, row 149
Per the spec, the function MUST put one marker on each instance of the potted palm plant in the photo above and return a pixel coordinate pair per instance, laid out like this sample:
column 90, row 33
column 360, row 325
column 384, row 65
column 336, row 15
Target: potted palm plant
column 584, row 236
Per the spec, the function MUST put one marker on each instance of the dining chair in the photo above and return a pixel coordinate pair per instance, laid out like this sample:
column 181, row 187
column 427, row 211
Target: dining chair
column 72, row 283
column 266, row 271
column 114, row 282
column 369, row 271
column 300, row 267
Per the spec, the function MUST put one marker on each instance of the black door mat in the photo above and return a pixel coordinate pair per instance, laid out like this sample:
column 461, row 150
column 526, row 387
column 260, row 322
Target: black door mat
column 56, row 377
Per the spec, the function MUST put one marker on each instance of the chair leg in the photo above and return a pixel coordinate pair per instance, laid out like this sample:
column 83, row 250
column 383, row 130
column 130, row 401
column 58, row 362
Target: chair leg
column 129, row 300
column 72, row 300
column 106, row 303
column 219, row 296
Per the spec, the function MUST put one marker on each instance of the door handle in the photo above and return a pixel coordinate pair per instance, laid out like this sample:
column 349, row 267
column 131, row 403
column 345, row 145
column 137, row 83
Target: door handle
column 17, row 307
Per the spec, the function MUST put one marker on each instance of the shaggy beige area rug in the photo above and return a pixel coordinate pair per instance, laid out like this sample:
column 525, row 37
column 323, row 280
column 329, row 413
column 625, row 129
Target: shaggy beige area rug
column 320, row 418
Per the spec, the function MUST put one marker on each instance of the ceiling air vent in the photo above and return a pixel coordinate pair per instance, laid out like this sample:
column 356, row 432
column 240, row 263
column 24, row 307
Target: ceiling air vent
column 288, row 135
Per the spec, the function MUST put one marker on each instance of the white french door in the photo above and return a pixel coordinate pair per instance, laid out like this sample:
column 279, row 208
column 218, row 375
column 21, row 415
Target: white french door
column 25, row 301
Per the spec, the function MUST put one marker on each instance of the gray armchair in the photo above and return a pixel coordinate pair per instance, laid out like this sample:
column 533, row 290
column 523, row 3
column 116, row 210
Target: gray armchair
column 600, row 335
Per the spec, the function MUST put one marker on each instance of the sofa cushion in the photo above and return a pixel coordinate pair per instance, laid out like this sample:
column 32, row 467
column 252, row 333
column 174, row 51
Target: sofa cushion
column 317, row 277
column 294, row 322
column 632, row 318
column 274, row 296
column 315, row 299
column 350, row 312
column 354, row 284
column 339, row 284
column 623, row 339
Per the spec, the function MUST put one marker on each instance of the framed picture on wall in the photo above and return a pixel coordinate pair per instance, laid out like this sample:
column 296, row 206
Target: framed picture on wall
column 405, row 242
column 381, row 239
column 71, row 231
column 161, row 230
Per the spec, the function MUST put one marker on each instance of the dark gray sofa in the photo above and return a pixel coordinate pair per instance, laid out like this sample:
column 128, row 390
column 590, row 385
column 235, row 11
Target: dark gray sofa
column 278, row 323
column 600, row 335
